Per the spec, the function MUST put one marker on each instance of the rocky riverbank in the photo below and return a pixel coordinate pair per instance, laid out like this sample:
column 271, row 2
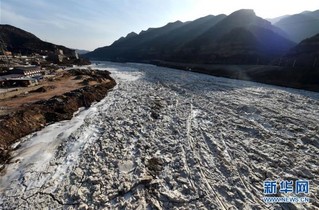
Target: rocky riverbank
column 32, row 117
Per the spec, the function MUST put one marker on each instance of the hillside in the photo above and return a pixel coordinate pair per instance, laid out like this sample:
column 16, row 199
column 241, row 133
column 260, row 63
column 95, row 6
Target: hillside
column 211, row 39
column 276, row 19
column 300, row 26
column 241, row 37
column 81, row 52
column 127, row 47
column 306, row 53
column 20, row 41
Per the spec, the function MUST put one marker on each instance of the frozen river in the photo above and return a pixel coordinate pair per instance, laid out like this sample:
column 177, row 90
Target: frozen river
column 170, row 139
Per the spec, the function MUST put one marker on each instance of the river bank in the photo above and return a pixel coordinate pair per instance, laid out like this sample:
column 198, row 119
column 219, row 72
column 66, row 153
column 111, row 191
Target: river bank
column 44, row 106
column 300, row 78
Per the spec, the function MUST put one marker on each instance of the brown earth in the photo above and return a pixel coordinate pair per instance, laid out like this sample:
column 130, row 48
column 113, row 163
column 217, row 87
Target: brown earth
column 54, row 104
column 44, row 92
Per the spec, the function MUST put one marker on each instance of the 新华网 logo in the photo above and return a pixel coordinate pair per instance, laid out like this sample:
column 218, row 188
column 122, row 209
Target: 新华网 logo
column 272, row 189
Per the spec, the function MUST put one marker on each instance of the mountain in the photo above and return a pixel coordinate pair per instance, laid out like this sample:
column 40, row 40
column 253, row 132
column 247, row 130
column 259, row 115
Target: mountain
column 241, row 37
column 20, row 41
column 254, row 40
column 189, row 31
column 276, row 19
column 314, row 14
column 241, row 18
column 300, row 26
column 81, row 52
column 253, row 45
column 306, row 53
column 133, row 44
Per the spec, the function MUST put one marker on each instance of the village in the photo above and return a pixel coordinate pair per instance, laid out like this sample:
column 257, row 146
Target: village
column 28, row 70
column 29, row 78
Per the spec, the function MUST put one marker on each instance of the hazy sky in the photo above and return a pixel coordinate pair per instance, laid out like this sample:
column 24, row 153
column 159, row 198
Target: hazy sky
column 88, row 24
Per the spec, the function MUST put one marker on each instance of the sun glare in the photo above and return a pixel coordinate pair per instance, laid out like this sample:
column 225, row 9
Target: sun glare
column 264, row 9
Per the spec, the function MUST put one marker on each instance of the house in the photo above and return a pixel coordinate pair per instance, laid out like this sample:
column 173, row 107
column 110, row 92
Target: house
column 22, row 76
column 2, row 81
column 27, row 71
column 7, row 53
column 21, row 82
column 13, row 80
column 17, row 80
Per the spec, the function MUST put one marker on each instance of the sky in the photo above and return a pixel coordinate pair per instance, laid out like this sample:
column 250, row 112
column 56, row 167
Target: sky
column 89, row 24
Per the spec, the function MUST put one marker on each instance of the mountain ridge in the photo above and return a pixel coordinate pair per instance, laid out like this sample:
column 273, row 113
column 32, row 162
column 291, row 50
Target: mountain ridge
column 20, row 41
column 198, row 41
column 300, row 26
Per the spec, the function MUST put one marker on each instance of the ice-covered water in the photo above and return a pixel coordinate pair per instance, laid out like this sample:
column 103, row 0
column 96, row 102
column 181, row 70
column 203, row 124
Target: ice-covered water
column 168, row 139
